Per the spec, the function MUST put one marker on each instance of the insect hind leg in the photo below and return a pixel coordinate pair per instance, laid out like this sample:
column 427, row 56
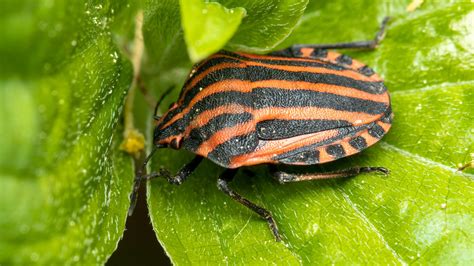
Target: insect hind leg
column 223, row 185
column 370, row 44
column 283, row 177
column 319, row 50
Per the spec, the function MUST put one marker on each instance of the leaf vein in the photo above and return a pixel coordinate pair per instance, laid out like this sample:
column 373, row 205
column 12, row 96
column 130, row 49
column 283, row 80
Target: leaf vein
column 439, row 86
column 422, row 159
column 372, row 227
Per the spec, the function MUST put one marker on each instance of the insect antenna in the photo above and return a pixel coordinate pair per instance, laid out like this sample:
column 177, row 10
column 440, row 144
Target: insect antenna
column 163, row 96
column 138, row 178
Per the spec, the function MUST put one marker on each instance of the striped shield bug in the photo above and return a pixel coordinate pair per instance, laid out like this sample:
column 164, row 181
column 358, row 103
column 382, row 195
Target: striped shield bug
column 303, row 105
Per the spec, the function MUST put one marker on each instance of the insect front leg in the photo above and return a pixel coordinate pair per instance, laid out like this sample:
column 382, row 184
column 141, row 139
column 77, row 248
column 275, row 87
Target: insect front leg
column 223, row 185
column 180, row 176
column 177, row 179
column 284, row 177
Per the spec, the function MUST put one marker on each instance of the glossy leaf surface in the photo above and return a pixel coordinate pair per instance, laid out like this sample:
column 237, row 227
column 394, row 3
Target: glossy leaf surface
column 63, row 195
column 421, row 213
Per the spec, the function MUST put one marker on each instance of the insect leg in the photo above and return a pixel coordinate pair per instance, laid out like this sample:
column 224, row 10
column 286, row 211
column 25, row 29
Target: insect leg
column 319, row 51
column 284, row 177
column 179, row 177
column 157, row 105
column 371, row 44
column 223, row 185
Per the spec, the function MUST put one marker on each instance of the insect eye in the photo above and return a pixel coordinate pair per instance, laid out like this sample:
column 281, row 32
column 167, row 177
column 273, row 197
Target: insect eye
column 174, row 144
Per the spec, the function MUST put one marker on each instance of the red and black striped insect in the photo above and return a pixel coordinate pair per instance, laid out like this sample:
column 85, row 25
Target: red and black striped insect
column 300, row 106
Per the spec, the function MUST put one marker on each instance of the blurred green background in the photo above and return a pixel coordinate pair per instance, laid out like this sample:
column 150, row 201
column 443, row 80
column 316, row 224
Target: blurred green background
column 66, row 70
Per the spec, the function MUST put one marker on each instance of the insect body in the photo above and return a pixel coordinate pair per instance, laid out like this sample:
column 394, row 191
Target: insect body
column 240, row 110
column 300, row 106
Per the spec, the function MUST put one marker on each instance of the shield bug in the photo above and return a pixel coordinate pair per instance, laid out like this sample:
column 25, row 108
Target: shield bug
column 302, row 105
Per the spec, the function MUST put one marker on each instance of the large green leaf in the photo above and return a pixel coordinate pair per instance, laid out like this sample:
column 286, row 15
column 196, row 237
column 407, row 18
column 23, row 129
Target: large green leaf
column 208, row 26
column 421, row 213
column 63, row 195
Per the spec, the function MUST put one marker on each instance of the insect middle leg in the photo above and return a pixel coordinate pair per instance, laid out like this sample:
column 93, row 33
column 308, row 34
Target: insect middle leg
column 223, row 185
column 284, row 177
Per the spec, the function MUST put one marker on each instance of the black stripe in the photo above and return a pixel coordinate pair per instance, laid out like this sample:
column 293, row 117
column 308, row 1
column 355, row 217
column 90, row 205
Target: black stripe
column 376, row 131
column 358, row 143
column 336, row 151
column 306, row 157
column 387, row 118
column 198, row 135
column 366, row 71
column 173, row 130
column 255, row 73
column 280, row 129
column 238, row 145
column 169, row 115
column 319, row 53
column 296, row 52
column 268, row 97
column 344, row 59
column 208, row 64
column 261, row 73
column 210, row 102
column 343, row 133
column 274, row 97
column 283, row 53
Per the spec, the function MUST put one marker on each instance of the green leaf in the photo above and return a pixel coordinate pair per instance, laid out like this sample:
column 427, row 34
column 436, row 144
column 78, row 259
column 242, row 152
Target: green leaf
column 421, row 213
column 266, row 25
column 208, row 26
column 64, row 183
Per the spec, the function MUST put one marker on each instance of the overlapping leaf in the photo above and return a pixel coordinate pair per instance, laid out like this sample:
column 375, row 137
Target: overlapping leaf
column 63, row 195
